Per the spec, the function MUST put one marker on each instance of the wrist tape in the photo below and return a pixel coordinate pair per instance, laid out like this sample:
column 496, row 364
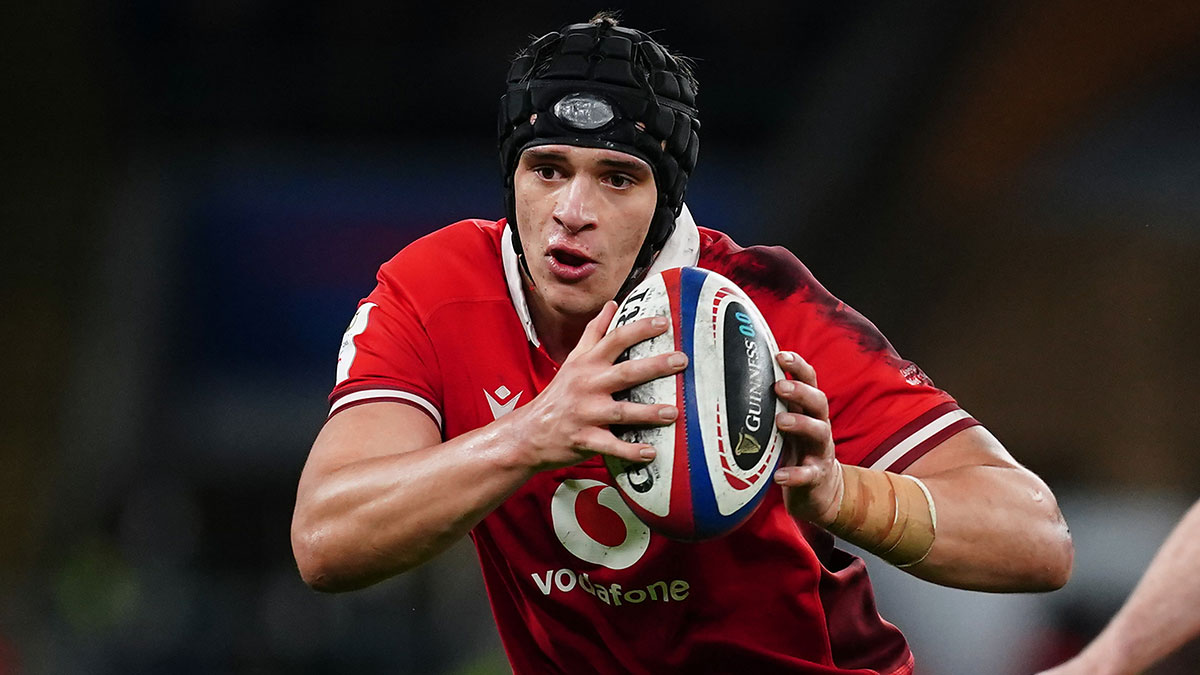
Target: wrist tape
column 888, row 514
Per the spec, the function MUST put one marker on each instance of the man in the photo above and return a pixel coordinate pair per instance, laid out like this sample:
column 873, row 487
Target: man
column 475, row 395
column 1160, row 616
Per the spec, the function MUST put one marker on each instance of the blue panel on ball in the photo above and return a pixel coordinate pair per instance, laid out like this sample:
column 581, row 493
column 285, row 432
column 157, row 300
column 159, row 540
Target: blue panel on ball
column 708, row 520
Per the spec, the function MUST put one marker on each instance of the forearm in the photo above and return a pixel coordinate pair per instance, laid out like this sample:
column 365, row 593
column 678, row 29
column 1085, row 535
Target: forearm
column 980, row 527
column 371, row 519
column 998, row 529
column 380, row 494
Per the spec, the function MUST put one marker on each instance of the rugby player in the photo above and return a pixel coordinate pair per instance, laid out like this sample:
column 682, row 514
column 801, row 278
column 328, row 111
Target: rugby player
column 474, row 397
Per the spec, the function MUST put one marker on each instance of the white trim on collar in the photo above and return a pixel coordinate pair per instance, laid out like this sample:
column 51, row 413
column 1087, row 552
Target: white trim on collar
column 681, row 250
column 516, row 290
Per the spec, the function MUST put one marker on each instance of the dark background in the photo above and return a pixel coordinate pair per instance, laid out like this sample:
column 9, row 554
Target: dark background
column 196, row 194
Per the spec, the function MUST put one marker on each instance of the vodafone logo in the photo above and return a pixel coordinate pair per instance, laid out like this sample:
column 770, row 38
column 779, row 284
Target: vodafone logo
column 596, row 526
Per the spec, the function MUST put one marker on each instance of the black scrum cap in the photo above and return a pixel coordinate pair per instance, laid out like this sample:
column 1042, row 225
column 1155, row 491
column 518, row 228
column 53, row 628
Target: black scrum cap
column 601, row 85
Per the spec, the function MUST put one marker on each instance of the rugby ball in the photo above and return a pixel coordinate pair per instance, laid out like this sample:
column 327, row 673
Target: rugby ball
column 714, row 463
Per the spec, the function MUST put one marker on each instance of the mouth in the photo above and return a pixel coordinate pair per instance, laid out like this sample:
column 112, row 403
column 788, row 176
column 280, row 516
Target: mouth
column 569, row 264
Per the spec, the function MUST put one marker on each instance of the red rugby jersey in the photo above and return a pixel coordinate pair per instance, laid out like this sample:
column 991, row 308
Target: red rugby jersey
column 577, row 584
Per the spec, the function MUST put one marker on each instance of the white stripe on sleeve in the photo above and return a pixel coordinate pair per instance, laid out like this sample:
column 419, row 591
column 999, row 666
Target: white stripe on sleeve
column 369, row 394
column 918, row 437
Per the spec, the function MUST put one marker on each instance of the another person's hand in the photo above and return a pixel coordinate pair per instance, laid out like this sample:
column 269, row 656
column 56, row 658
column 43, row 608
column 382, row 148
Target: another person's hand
column 809, row 471
column 569, row 421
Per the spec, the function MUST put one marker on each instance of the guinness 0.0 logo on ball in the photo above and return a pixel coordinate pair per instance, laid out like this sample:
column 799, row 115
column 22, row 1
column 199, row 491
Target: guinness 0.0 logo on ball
column 723, row 447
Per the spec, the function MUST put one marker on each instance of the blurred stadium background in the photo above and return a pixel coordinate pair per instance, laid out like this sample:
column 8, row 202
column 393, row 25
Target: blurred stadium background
column 197, row 193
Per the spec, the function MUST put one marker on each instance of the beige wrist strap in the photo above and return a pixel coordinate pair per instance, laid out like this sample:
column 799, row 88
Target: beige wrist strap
column 888, row 514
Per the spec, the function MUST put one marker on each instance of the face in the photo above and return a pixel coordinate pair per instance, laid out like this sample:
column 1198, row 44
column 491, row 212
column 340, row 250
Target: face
column 583, row 214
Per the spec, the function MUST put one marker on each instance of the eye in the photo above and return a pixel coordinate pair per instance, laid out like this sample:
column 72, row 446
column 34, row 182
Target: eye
column 546, row 172
column 620, row 181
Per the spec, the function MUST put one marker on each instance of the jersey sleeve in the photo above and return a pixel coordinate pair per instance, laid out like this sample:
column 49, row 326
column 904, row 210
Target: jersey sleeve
column 386, row 353
column 885, row 412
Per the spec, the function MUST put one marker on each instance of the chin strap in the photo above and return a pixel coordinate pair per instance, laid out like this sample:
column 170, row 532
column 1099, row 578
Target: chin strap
column 638, row 273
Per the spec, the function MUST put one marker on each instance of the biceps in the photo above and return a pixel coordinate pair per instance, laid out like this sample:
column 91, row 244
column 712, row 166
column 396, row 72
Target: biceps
column 370, row 430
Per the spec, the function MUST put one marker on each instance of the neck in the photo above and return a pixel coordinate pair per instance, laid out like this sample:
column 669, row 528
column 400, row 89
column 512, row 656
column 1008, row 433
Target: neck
column 560, row 340
column 558, row 333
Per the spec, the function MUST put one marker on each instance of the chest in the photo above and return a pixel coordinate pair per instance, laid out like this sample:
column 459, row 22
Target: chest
column 488, row 366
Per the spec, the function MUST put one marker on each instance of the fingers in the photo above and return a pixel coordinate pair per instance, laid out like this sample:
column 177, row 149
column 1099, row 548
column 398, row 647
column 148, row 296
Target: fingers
column 808, row 451
column 803, row 398
column 806, row 423
column 798, row 368
column 810, row 434
column 815, row 488
column 624, row 337
column 636, row 371
column 798, row 475
column 636, row 414
column 603, row 441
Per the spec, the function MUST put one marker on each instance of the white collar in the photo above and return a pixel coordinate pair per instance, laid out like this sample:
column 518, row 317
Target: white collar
column 681, row 250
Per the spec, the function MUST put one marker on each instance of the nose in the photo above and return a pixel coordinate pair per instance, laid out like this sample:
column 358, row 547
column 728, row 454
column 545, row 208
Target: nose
column 575, row 208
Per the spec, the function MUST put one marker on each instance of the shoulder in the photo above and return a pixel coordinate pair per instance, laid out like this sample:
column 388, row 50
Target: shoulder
column 467, row 241
column 770, row 270
column 785, row 290
column 460, row 258
column 458, row 263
